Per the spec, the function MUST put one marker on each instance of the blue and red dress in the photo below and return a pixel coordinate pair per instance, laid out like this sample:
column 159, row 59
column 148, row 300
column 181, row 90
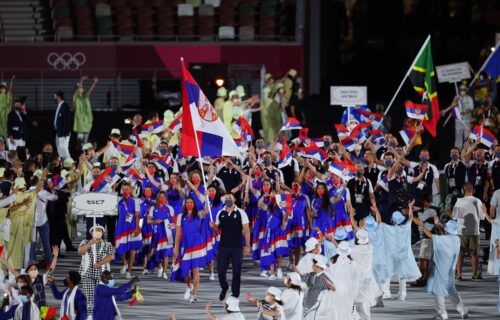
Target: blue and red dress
column 125, row 239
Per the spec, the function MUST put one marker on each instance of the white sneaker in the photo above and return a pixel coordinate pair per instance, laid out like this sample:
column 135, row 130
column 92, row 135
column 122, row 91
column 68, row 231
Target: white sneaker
column 263, row 274
column 123, row 270
column 128, row 275
column 165, row 276
column 280, row 273
column 212, row 276
column 272, row 277
column 159, row 272
column 193, row 299
column 187, row 294
column 145, row 271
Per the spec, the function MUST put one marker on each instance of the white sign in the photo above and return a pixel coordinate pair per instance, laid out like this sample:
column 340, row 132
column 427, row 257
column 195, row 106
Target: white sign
column 348, row 96
column 453, row 72
column 95, row 203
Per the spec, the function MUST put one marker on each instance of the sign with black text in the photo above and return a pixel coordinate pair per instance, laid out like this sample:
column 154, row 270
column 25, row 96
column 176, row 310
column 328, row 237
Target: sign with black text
column 453, row 72
column 348, row 96
column 95, row 203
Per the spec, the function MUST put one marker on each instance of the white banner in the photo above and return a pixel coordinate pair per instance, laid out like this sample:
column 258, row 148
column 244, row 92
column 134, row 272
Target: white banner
column 95, row 203
column 348, row 96
column 453, row 72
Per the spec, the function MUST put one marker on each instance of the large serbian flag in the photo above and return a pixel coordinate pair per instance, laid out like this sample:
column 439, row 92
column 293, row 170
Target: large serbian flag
column 199, row 116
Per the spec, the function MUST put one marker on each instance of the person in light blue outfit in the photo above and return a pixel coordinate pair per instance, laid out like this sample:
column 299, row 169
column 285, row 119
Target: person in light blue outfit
column 441, row 282
column 339, row 235
column 400, row 259
column 379, row 257
column 494, row 257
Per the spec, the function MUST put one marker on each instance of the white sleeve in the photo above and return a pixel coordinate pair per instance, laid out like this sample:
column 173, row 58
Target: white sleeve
column 7, row 201
column 217, row 221
column 435, row 172
column 296, row 166
column 413, row 164
column 370, row 186
column 244, row 217
column 179, row 219
column 347, row 194
column 137, row 205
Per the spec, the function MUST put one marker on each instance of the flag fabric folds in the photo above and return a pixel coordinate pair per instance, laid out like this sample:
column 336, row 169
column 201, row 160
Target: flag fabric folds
column 153, row 127
column 244, row 129
column 291, row 124
column 341, row 170
column 407, row 135
column 493, row 65
column 176, row 124
column 284, row 202
column 285, row 155
column 415, row 111
column 423, row 78
column 199, row 117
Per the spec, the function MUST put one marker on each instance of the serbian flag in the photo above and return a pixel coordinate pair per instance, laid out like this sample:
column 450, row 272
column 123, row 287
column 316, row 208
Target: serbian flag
column 284, row 202
column 342, row 131
column 126, row 149
column 455, row 113
column 415, row 111
column 303, row 135
column 341, row 170
column 373, row 118
column 58, row 182
column 153, row 127
column 363, row 127
column 176, row 124
column 488, row 138
column 348, row 142
column 317, row 141
column 200, row 118
column 134, row 175
column 312, row 151
column 291, row 124
column 376, row 135
column 164, row 163
column 407, row 135
column 285, row 154
column 101, row 181
column 129, row 162
column 244, row 129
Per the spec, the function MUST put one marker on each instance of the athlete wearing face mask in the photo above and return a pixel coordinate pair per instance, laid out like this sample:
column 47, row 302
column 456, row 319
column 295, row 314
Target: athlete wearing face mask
column 106, row 296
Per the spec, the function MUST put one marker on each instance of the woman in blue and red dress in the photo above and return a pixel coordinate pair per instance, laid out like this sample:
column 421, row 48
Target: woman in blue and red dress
column 260, row 223
column 322, row 213
column 175, row 193
column 161, row 218
column 299, row 222
column 252, row 194
column 196, row 190
column 190, row 253
column 147, row 229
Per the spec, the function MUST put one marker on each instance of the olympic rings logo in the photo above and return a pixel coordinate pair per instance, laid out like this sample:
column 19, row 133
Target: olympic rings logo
column 66, row 60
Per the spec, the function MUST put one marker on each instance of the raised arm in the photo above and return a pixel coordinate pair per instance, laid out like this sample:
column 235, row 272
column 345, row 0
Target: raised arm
column 92, row 87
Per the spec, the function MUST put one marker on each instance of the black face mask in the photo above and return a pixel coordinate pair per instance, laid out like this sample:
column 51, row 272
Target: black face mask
column 359, row 174
column 326, row 143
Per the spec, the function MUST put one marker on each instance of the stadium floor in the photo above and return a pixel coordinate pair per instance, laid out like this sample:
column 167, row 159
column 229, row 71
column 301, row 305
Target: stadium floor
column 163, row 297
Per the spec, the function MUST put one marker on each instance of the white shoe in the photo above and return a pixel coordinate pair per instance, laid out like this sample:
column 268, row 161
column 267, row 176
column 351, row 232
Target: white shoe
column 165, row 276
column 145, row 271
column 159, row 272
column 123, row 270
column 280, row 273
column 387, row 295
column 263, row 274
column 193, row 299
column 212, row 276
column 272, row 277
column 441, row 317
column 128, row 275
column 187, row 294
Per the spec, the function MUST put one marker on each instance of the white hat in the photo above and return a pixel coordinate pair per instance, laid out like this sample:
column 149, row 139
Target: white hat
column 96, row 165
column 292, row 72
column 280, row 85
column 311, row 243
column 275, row 292
column 362, row 236
column 295, row 279
column 232, row 93
column 87, row 146
column 320, row 261
column 2, row 171
column 19, row 183
column 95, row 227
column 233, row 304
column 267, row 76
column 116, row 131
column 241, row 91
column 221, row 92
column 68, row 162
column 343, row 248
column 38, row 173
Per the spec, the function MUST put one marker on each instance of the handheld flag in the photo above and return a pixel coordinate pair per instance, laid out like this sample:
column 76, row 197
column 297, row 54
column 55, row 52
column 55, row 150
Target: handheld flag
column 415, row 111
column 455, row 112
column 374, row 118
column 342, row 131
column 126, row 149
column 423, row 78
column 291, row 124
column 407, row 135
column 285, row 154
column 341, row 171
column 199, row 117
column 376, row 135
column 153, row 127
column 176, row 124
column 312, row 151
column 284, row 202
column 244, row 129
column 492, row 66
column 303, row 135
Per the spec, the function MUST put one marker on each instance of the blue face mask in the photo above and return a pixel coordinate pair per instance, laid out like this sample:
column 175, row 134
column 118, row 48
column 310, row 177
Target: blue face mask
column 111, row 283
column 114, row 167
column 23, row 298
column 163, row 152
column 260, row 145
column 388, row 163
column 267, row 161
column 228, row 203
column 424, row 159
column 454, row 157
column 393, row 144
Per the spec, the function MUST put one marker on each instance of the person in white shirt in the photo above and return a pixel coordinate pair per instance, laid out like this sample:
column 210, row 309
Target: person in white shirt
column 271, row 307
column 313, row 248
column 293, row 296
column 232, row 307
column 465, row 105
column 468, row 212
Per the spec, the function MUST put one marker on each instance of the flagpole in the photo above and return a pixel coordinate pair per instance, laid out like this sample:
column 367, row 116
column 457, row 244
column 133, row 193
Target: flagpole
column 407, row 74
column 200, row 160
column 484, row 65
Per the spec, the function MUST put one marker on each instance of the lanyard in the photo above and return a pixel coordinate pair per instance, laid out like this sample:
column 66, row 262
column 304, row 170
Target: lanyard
column 454, row 169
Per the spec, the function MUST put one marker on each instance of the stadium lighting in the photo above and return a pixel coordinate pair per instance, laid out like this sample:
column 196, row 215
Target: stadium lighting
column 219, row 82
column 492, row 49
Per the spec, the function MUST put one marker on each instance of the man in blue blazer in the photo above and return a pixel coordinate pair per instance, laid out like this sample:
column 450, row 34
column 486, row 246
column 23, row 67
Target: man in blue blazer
column 62, row 124
column 17, row 124
column 105, row 296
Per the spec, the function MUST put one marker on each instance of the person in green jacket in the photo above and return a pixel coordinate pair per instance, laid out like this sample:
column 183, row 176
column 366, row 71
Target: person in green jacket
column 5, row 105
column 82, row 123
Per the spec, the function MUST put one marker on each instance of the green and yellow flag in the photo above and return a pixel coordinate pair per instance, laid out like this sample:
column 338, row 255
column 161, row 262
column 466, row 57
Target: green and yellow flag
column 423, row 78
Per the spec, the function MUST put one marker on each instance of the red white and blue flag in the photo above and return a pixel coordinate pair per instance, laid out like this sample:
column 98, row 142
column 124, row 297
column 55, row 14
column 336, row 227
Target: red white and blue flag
column 109, row 176
column 199, row 118
column 415, row 111
column 58, row 182
column 126, row 149
column 357, row 136
column 176, row 124
column 153, row 127
column 373, row 118
column 129, row 163
column 164, row 163
column 342, row 131
column 455, row 112
column 244, row 129
column 486, row 136
column 341, row 170
column 303, row 135
column 407, row 135
column 291, row 124
column 285, row 203
column 376, row 135
column 317, row 141
column 312, row 151
column 285, row 155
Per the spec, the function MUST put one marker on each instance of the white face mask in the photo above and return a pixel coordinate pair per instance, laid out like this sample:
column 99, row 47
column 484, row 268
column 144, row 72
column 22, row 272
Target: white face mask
column 97, row 235
column 33, row 274
column 268, row 298
column 20, row 285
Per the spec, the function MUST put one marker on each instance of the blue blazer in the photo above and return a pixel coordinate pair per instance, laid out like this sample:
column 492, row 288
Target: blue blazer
column 16, row 127
column 63, row 121
column 103, row 303
column 80, row 302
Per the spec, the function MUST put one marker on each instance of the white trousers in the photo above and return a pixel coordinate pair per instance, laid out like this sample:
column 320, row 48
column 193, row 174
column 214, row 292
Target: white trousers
column 441, row 305
column 363, row 309
column 62, row 145
column 16, row 143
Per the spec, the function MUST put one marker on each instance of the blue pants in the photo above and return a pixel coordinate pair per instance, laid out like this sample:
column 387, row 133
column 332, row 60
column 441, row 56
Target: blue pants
column 235, row 255
column 44, row 233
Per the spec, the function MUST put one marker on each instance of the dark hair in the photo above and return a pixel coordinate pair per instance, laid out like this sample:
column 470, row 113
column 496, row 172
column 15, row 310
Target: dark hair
column 28, row 289
column 335, row 258
column 75, row 277
column 195, row 209
column 25, row 278
column 104, row 275
column 325, row 201
column 157, row 203
column 21, row 153
column 60, row 94
column 217, row 201
column 295, row 287
column 454, row 148
column 8, row 174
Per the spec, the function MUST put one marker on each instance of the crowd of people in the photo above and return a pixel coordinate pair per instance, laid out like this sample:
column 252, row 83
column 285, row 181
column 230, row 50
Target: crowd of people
column 336, row 222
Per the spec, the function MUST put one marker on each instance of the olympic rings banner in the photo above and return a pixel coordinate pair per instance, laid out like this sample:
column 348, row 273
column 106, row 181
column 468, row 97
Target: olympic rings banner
column 65, row 60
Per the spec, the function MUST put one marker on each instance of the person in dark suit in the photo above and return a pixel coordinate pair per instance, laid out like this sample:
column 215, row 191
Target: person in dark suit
column 62, row 124
column 17, row 124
